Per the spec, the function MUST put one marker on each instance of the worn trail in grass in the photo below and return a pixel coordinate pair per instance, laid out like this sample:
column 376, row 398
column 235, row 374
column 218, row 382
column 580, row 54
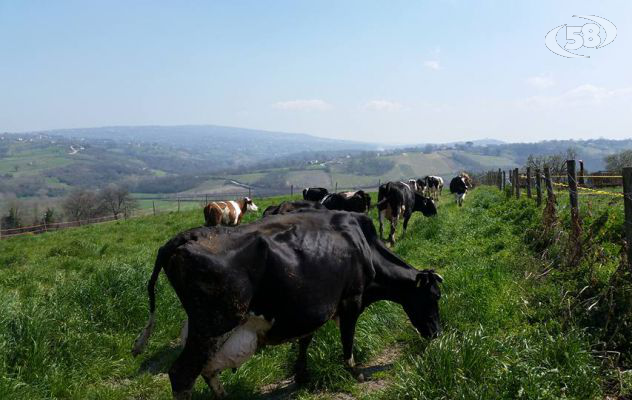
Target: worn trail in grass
column 71, row 303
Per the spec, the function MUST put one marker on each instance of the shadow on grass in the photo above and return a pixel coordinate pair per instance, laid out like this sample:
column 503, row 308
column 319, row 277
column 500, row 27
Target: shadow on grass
column 160, row 360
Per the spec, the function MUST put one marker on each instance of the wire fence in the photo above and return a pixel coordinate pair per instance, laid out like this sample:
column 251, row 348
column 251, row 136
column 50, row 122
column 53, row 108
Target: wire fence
column 533, row 183
column 161, row 204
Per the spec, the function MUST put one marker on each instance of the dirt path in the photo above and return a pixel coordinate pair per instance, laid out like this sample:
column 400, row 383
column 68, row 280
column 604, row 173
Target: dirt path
column 384, row 362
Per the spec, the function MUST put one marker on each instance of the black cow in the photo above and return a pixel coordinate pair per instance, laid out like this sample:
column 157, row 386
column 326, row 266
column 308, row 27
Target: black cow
column 434, row 186
column 398, row 199
column 421, row 186
column 314, row 194
column 279, row 279
column 289, row 206
column 348, row 201
column 459, row 186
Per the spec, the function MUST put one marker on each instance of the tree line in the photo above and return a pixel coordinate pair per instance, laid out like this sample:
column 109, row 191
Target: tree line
column 81, row 204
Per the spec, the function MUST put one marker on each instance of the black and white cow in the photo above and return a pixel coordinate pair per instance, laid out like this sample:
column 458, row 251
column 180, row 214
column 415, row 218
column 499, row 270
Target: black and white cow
column 314, row 194
column 289, row 206
column 398, row 199
column 421, row 185
column 359, row 201
column 434, row 186
column 459, row 186
column 280, row 279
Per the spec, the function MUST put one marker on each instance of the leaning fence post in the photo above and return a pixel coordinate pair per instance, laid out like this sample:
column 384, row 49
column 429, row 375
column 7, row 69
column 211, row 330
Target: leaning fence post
column 549, row 185
column 538, row 187
column 627, row 201
column 529, row 182
column 581, row 172
column 517, row 180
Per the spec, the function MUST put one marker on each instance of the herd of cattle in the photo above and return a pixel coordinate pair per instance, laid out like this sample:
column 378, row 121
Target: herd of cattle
column 282, row 277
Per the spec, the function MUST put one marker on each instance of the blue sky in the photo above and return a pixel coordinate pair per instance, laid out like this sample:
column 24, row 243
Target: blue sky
column 396, row 71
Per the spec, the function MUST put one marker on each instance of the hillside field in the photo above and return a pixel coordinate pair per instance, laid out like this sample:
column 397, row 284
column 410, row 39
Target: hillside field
column 72, row 302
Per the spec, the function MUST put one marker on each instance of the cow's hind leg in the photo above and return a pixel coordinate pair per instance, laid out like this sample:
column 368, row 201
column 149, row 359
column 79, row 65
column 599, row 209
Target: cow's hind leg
column 300, row 368
column 406, row 218
column 391, row 236
column 189, row 364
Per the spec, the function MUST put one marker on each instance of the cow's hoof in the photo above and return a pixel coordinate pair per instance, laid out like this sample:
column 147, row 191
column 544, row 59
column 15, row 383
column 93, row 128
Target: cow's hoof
column 360, row 377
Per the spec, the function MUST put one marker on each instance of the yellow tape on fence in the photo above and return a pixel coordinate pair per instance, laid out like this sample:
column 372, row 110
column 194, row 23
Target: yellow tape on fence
column 590, row 191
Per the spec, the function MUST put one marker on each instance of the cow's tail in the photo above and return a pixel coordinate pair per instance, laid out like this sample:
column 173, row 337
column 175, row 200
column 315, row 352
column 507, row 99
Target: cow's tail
column 379, row 203
column 143, row 338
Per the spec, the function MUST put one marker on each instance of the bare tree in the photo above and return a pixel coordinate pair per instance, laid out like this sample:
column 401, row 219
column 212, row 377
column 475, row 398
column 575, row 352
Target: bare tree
column 81, row 204
column 616, row 162
column 117, row 200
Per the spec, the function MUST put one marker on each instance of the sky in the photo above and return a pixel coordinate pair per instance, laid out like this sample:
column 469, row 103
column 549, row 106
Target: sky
column 376, row 71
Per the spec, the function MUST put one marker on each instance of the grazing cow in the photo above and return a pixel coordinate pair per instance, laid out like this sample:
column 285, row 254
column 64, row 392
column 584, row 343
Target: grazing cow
column 314, row 194
column 434, row 186
column 398, row 199
column 459, row 186
column 289, row 206
column 413, row 184
column 421, row 186
column 348, row 201
column 227, row 212
column 280, row 279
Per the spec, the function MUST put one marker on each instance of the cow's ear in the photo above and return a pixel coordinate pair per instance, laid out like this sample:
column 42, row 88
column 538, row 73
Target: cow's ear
column 422, row 279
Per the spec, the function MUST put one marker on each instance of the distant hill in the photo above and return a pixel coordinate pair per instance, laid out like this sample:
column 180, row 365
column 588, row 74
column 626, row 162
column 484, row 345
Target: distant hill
column 155, row 159
column 227, row 146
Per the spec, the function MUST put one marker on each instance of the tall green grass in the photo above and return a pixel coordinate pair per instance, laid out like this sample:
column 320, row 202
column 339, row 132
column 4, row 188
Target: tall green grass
column 71, row 303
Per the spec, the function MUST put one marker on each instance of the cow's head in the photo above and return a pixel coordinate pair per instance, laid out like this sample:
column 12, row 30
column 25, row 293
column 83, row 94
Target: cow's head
column 412, row 183
column 421, row 184
column 250, row 206
column 425, row 205
column 422, row 303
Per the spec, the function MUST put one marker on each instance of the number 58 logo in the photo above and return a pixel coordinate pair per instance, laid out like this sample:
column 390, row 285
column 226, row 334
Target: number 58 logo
column 591, row 35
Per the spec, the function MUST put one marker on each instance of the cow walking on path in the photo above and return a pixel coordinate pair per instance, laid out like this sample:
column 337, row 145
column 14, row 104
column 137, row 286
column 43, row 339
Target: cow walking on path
column 459, row 186
column 398, row 200
column 280, row 279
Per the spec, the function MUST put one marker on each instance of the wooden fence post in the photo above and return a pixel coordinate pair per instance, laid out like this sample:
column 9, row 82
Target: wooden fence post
column 581, row 172
column 517, row 180
column 511, row 182
column 499, row 179
column 336, row 190
column 178, row 204
column 538, row 187
column 504, row 180
column 153, row 205
column 549, row 185
column 572, row 183
column 627, row 201
column 291, row 190
column 529, row 182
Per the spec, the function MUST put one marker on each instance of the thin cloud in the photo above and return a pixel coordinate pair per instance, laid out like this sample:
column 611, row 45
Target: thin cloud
column 541, row 82
column 583, row 95
column 303, row 105
column 383, row 105
column 434, row 65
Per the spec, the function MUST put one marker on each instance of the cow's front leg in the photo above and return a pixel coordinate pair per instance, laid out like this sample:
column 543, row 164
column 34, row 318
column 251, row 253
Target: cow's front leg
column 349, row 314
column 300, row 368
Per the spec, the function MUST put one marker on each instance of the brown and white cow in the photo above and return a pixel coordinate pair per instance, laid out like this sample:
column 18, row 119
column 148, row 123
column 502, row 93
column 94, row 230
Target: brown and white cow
column 227, row 213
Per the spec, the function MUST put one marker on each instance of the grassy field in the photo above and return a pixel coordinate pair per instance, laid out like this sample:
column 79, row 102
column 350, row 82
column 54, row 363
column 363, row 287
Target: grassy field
column 72, row 302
